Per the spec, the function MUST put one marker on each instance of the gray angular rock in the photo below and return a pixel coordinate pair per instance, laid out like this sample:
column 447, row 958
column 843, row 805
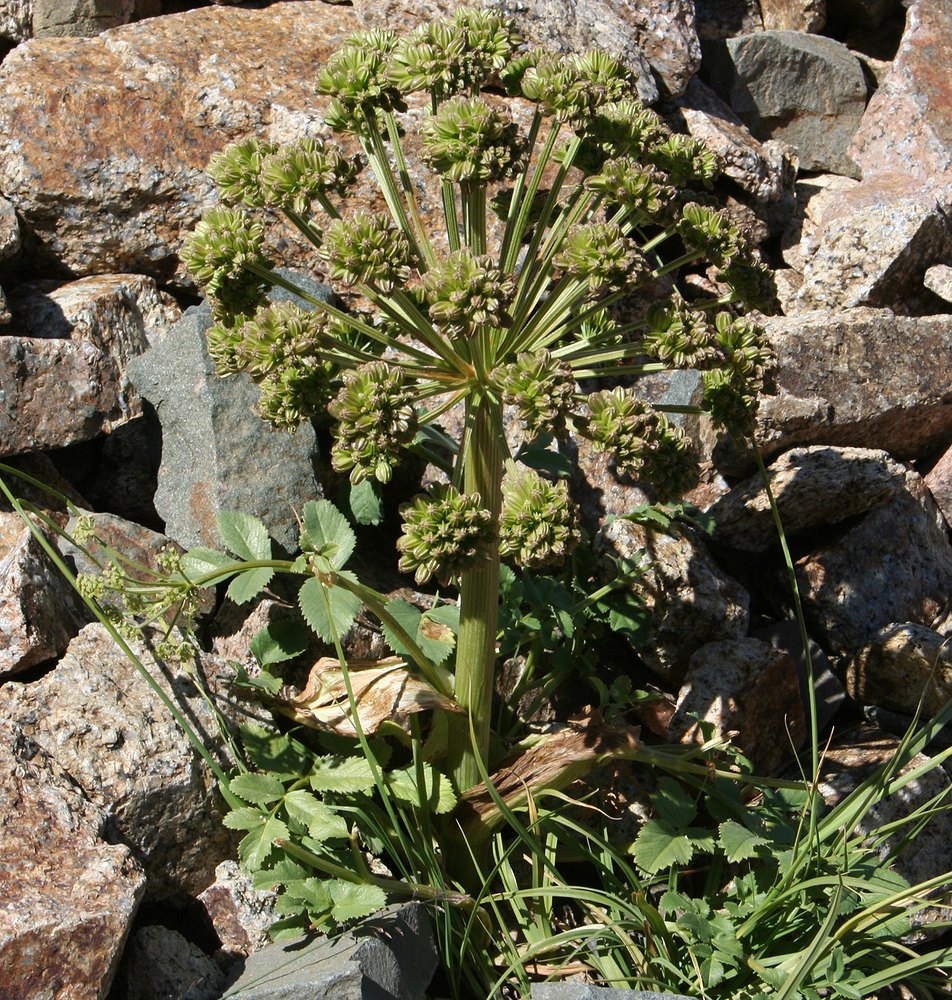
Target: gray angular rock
column 813, row 487
column 56, row 392
column 217, row 454
column 938, row 481
column 16, row 17
column 807, row 90
column 68, row 896
column 159, row 963
column 39, row 611
column 748, row 687
column 893, row 565
column 862, row 378
column 58, row 18
column 62, row 376
column 901, row 665
column 10, row 242
column 392, row 956
column 814, row 196
column 107, row 138
column 691, row 600
column 764, row 170
column 239, row 913
column 938, row 279
column 875, row 245
column 106, row 727
column 907, row 128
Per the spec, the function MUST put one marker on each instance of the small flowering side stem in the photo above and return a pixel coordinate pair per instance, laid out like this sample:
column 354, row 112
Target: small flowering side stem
column 479, row 602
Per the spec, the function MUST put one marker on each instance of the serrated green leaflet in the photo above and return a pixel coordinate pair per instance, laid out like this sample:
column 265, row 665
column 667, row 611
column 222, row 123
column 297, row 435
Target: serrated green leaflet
column 350, row 902
column 201, row 561
column 673, row 803
column 281, row 872
column 326, row 533
column 249, row 584
column 244, row 535
column 365, row 503
column 342, row 774
column 738, row 842
column 322, row 823
column 659, row 846
column 330, row 611
column 262, row 789
column 280, row 641
column 244, row 819
column 438, row 795
column 434, row 631
column 257, row 845
column 275, row 752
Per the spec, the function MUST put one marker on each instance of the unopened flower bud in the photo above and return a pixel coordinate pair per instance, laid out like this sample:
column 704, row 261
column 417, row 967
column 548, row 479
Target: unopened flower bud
column 444, row 534
column 376, row 418
column 539, row 523
column 542, row 388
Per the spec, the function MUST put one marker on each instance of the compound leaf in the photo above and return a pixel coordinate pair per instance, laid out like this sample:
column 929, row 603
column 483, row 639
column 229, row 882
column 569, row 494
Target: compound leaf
column 244, row 535
column 330, row 611
column 325, row 532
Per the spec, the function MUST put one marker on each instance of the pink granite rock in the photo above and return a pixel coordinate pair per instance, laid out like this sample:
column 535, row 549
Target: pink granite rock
column 748, row 687
column 907, row 127
column 68, row 896
column 39, row 611
column 107, row 138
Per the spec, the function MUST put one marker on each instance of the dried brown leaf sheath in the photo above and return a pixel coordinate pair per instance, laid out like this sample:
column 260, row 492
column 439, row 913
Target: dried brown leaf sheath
column 384, row 691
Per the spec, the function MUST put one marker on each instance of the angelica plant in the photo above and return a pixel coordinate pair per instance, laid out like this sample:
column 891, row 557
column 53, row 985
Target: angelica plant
column 560, row 203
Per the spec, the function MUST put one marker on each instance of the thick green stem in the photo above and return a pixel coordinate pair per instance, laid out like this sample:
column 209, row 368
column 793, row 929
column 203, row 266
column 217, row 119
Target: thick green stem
column 479, row 603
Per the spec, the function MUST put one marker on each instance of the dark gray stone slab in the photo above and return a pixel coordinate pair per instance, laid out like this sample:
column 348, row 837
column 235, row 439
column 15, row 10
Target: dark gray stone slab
column 217, row 453
column 391, row 956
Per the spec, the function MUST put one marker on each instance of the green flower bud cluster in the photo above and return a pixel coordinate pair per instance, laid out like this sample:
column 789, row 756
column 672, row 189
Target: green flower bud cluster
column 730, row 402
column 680, row 337
column 454, row 55
column 623, row 128
column 280, row 347
column 602, row 255
column 542, row 388
column 299, row 173
column 469, row 140
column 643, row 441
column 712, row 234
column 376, row 418
column 670, row 463
column 357, row 77
column 641, row 190
column 751, row 283
column 466, row 292
column 237, row 172
column 621, row 423
column 444, row 534
column 573, row 90
column 745, row 369
column 744, row 349
column 367, row 249
column 218, row 253
column 539, row 522
column 686, row 161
